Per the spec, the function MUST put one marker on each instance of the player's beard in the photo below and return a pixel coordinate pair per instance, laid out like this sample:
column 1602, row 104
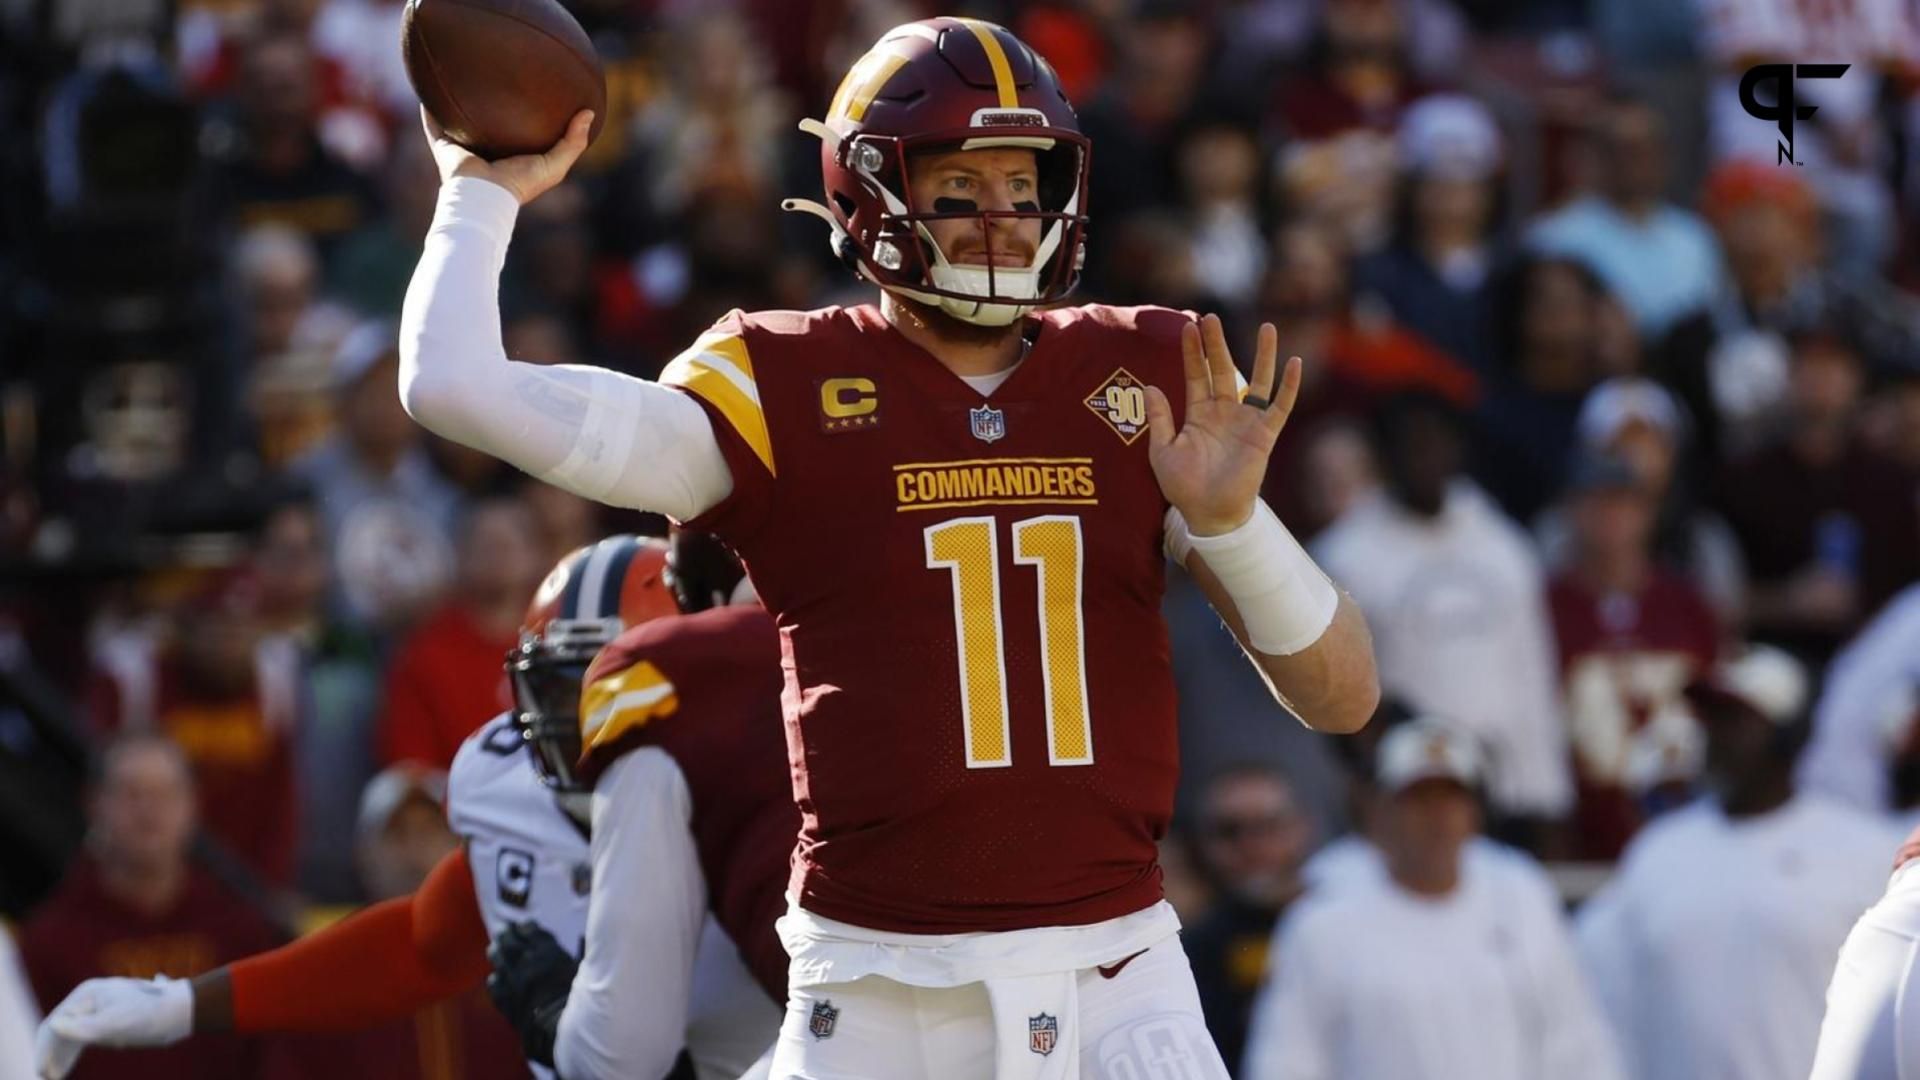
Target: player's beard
column 952, row 329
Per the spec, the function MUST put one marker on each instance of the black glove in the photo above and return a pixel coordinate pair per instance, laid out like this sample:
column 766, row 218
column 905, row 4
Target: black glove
column 531, row 977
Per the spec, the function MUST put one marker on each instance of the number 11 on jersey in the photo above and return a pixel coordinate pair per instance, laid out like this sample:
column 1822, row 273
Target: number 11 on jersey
column 969, row 550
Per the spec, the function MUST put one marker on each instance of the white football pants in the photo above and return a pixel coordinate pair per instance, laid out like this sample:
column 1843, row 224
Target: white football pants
column 1143, row 1023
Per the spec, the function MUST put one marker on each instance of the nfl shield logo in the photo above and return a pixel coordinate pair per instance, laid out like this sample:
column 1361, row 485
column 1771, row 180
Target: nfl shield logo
column 823, row 1018
column 989, row 423
column 1043, row 1034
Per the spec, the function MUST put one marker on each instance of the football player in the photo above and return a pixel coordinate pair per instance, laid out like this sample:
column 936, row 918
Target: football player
column 678, row 738
column 526, row 862
column 954, row 503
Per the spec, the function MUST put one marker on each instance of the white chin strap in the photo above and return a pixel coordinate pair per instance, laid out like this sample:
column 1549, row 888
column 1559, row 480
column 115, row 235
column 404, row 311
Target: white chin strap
column 1021, row 283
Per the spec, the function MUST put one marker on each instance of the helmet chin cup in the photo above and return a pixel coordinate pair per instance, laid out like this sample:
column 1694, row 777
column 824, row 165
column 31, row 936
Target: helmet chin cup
column 1021, row 284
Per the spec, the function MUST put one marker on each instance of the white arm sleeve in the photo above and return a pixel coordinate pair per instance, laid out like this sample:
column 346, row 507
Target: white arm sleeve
column 597, row 433
column 627, row 1014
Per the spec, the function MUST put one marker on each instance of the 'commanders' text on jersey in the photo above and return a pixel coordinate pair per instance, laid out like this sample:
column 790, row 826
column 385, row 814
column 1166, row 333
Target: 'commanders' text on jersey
column 979, row 696
column 705, row 688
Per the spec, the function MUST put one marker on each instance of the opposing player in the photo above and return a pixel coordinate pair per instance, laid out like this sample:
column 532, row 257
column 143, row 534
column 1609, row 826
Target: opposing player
column 954, row 504
column 525, row 860
column 678, row 737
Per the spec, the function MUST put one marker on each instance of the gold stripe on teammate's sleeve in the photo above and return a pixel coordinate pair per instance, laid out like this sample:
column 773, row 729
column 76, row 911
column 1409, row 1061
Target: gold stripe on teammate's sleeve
column 718, row 369
column 624, row 701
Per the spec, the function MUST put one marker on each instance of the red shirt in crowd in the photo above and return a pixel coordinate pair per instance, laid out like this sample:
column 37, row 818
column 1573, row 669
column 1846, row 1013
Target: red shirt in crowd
column 446, row 680
column 82, row 932
column 1623, row 657
column 240, row 745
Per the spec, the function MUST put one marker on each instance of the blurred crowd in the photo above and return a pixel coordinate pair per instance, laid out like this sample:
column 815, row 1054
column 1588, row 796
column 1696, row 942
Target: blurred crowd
column 1610, row 424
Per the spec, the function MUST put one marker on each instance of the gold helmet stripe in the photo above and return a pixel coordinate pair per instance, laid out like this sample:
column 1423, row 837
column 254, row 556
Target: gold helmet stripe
column 881, row 68
column 997, row 58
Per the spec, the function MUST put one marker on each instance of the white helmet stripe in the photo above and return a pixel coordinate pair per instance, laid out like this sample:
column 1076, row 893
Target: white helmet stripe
column 593, row 581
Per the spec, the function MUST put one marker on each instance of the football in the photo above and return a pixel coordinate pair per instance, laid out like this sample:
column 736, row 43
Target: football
column 503, row 77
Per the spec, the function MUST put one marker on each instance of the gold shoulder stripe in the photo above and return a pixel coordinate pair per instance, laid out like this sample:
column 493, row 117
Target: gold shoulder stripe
column 997, row 59
column 718, row 369
column 624, row 701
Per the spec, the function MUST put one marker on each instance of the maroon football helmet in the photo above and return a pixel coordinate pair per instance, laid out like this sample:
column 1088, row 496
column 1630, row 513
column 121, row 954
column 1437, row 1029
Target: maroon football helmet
column 944, row 84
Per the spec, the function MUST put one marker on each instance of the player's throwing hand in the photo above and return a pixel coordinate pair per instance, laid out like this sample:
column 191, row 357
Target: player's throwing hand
column 1211, row 469
column 528, row 176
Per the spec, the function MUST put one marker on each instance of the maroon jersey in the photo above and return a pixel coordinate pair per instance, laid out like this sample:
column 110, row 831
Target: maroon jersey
column 979, row 696
column 1623, row 657
column 705, row 688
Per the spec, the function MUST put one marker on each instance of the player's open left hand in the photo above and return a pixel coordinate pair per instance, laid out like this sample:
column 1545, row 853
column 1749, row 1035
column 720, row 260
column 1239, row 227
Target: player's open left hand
column 1211, row 469
column 528, row 176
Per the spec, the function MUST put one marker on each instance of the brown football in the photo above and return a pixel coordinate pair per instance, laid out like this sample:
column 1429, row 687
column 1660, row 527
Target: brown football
column 503, row 77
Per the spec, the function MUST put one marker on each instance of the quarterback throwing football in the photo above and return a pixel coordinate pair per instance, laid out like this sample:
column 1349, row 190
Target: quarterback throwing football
column 955, row 505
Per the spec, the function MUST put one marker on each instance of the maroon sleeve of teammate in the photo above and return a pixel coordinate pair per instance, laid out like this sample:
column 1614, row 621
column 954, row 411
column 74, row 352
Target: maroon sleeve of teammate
column 385, row 963
column 710, row 684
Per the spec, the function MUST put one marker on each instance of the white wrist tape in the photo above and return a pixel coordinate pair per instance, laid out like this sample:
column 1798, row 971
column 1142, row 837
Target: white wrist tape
column 1284, row 600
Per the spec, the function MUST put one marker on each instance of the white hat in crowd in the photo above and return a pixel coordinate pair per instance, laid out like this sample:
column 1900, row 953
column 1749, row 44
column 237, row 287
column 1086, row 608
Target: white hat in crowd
column 1449, row 135
column 1765, row 679
column 367, row 344
column 1624, row 400
column 393, row 788
column 1425, row 748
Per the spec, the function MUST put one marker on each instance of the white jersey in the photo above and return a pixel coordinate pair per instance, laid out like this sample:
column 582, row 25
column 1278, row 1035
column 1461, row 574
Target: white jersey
column 531, row 861
column 1457, row 607
column 1352, row 860
column 1373, row 981
column 1871, row 700
column 1713, row 945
